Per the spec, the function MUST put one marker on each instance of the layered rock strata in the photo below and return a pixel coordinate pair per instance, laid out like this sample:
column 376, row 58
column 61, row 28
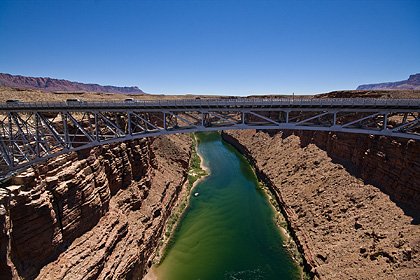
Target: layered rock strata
column 413, row 82
column 55, row 85
column 392, row 164
column 344, row 227
column 96, row 214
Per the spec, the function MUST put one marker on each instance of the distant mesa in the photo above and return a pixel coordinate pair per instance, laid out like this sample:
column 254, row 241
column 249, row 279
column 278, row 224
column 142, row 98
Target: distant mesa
column 413, row 83
column 55, row 85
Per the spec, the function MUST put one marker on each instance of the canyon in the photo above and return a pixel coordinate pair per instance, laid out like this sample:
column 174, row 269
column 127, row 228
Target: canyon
column 95, row 214
column 351, row 201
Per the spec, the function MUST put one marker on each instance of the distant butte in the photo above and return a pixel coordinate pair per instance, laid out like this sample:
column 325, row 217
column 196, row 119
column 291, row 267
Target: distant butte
column 412, row 83
column 56, row 85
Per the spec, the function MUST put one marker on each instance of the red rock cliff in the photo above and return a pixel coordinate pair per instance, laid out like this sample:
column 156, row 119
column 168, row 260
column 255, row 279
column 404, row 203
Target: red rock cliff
column 392, row 164
column 95, row 214
column 345, row 227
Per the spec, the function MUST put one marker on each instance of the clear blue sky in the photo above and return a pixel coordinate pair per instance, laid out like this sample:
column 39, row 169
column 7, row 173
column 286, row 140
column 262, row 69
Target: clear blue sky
column 227, row 47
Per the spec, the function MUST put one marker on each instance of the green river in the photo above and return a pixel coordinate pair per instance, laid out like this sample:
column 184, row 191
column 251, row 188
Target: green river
column 228, row 230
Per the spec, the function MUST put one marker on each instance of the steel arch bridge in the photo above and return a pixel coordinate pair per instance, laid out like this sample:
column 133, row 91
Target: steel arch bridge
column 31, row 132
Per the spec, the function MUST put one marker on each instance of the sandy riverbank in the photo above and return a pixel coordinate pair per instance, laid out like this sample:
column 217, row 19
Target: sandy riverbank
column 203, row 167
column 151, row 275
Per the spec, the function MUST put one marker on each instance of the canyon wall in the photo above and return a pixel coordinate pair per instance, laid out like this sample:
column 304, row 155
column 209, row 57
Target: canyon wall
column 345, row 227
column 392, row 164
column 93, row 214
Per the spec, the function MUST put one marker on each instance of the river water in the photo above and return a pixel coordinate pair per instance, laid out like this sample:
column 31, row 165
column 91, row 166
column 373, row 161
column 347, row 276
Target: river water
column 228, row 230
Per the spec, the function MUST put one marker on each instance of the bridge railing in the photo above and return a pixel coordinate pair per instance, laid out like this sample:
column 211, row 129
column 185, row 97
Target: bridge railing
column 217, row 102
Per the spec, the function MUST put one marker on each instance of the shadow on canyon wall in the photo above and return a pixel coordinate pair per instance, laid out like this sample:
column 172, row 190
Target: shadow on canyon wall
column 387, row 163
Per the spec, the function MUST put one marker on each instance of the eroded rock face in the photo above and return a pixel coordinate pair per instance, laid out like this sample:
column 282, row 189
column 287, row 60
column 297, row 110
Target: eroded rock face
column 393, row 164
column 94, row 214
column 345, row 227
column 413, row 82
column 52, row 85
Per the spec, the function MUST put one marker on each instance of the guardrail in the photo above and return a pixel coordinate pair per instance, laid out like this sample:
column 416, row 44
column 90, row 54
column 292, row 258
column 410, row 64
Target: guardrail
column 279, row 102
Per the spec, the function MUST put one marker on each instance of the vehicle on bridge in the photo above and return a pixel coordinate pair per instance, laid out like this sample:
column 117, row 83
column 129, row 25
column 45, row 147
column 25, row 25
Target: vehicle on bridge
column 74, row 101
column 13, row 101
column 130, row 100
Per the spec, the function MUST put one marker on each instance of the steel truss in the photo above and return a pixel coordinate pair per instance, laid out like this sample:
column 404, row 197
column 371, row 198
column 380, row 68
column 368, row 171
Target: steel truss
column 33, row 132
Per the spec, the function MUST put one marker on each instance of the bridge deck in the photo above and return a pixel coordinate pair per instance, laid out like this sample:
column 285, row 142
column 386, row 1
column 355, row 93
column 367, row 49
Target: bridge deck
column 218, row 103
column 31, row 132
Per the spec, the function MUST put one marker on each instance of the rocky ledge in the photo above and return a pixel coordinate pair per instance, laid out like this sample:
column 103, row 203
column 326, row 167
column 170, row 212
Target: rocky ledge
column 344, row 227
column 95, row 214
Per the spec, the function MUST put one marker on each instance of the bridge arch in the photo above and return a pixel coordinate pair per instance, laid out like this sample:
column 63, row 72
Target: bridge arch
column 32, row 132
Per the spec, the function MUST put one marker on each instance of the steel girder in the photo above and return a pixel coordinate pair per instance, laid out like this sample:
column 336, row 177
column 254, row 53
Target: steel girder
column 33, row 132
